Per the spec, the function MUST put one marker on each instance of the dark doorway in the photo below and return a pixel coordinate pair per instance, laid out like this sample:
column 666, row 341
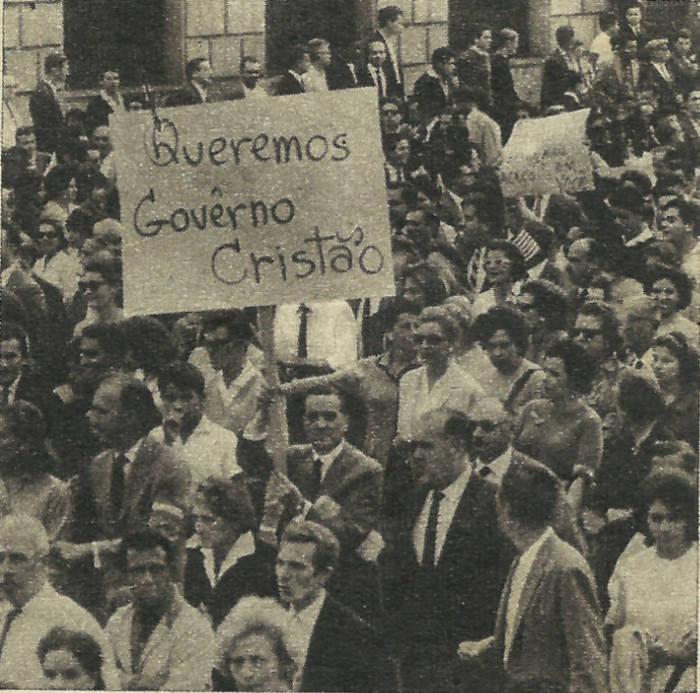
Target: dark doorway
column 290, row 22
column 496, row 14
column 127, row 34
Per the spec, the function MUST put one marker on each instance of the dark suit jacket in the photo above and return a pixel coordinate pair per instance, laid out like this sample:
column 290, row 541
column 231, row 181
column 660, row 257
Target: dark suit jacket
column 353, row 481
column 340, row 76
column 49, row 124
column 685, row 72
column 430, row 95
column 558, row 634
column 187, row 96
column 436, row 609
column 626, row 34
column 253, row 574
column 474, row 70
column 665, row 90
column 345, row 654
column 365, row 78
column 392, row 70
column 289, row 84
column 556, row 80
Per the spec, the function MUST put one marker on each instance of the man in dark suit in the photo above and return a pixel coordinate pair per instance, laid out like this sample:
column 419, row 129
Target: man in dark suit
column 331, row 482
column 108, row 101
column 372, row 74
column 558, row 77
column 433, row 90
column 291, row 81
column 198, row 87
column 390, row 28
column 444, row 576
column 46, row 104
column 549, row 630
column 336, row 650
column 116, row 492
column 342, row 73
column 631, row 27
column 658, row 77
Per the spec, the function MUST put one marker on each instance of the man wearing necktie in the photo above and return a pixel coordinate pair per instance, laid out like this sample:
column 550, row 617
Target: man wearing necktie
column 445, row 572
column 372, row 73
column 32, row 606
column 46, row 104
column 549, row 630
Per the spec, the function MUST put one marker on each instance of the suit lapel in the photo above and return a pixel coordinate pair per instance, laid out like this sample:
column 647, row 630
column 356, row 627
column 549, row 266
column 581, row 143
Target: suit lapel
column 462, row 518
column 339, row 474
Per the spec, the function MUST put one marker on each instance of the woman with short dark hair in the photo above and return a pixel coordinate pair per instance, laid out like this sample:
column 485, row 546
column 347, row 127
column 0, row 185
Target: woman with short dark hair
column 653, row 593
column 560, row 430
column 71, row 660
column 505, row 268
column 672, row 290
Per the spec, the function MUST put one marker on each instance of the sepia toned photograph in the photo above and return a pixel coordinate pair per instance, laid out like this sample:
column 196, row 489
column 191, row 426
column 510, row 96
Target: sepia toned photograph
column 350, row 345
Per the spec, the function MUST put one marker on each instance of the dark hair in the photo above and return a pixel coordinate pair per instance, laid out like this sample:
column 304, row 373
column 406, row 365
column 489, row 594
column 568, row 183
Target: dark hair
column 441, row 56
column 12, row 330
column 111, row 270
column 54, row 60
column 531, row 491
column 388, row 14
column 146, row 540
column 550, row 302
column 245, row 59
column 80, row 222
column 577, row 364
column 686, row 212
column 136, row 399
column 183, row 376
column 639, row 397
column 235, row 321
column 111, row 339
column 512, row 252
column 609, row 324
column 678, row 278
column 428, row 280
column 564, row 35
column 606, row 20
column 25, row 420
column 678, row 492
column 391, row 139
column 475, row 31
column 151, row 344
column 687, row 356
column 681, row 449
column 504, row 318
column 315, row 45
column 194, row 65
column 229, row 499
column 330, row 391
column 57, row 179
column 327, row 547
column 81, row 645
column 24, row 130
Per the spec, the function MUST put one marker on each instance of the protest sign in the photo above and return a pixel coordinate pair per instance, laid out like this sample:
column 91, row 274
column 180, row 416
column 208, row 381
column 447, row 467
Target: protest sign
column 547, row 155
column 246, row 203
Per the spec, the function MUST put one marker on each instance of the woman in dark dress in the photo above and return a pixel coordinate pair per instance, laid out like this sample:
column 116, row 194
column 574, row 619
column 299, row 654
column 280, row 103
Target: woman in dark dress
column 224, row 560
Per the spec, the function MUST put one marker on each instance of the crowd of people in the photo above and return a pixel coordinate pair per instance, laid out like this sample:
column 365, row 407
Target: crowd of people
column 488, row 480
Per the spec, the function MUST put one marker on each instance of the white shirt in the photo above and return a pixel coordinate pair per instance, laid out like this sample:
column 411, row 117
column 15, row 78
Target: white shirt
column 379, row 78
column 62, row 271
column 455, row 389
column 302, row 624
column 522, row 571
column 328, row 458
column 331, row 334
column 315, row 79
column 602, row 47
column 446, row 512
column 116, row 103
column 48, row 609
column 497, row 467
column 392, row 50
column 210, row 450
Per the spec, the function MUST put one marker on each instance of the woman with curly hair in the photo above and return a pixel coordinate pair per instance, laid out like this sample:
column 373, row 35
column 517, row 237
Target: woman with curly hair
column 505, row 268
column 71, row 660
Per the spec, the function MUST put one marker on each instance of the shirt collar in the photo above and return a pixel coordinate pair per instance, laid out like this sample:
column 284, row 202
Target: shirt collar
column 311, row 611
column 241, row 380
column 242, row 547
column 328, row 458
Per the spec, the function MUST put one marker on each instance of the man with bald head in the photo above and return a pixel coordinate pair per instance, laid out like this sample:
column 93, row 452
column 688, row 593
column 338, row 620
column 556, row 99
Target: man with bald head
column 451, row 561
column 33, row 607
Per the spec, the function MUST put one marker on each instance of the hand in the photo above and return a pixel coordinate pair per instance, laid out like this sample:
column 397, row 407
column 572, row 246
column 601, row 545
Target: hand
column 325, row 508
column 473, row 649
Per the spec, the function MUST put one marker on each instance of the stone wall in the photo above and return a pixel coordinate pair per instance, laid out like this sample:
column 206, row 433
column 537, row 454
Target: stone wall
column 30, row 32
column 223, row 30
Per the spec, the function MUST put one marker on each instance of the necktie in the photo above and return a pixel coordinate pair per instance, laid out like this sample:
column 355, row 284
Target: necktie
column 318, row 469
column 116, row 491
column 485, row 471
column 302, row 341
column 431, row 531
column 11, row 616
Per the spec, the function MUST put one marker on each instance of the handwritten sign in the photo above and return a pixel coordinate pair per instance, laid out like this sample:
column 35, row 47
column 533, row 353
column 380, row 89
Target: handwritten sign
column 243, row 203
column 547, row 155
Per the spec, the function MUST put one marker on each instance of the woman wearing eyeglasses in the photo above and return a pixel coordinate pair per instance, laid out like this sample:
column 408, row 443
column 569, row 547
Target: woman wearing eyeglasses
column 505, row 268
column 101, row 285
column 58, row 264
column 671, row 290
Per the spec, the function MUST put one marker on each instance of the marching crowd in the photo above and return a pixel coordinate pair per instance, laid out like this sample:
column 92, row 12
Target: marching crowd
column 491, row 477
